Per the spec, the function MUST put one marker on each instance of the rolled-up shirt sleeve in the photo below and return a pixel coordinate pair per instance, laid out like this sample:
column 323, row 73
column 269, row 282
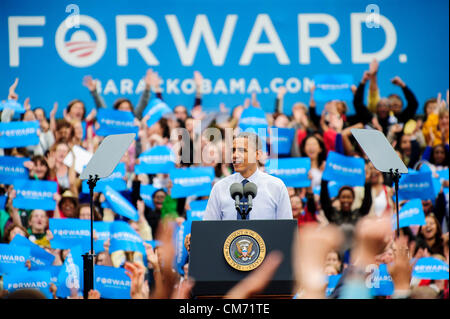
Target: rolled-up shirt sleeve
column 284, row 208
column 213, row 210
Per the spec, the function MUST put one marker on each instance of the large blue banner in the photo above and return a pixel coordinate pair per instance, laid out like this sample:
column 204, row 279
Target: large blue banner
column 33, row 193
column 239, row 47
column 11, row 168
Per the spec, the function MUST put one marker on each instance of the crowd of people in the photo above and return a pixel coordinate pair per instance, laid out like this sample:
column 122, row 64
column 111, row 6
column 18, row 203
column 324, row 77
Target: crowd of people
column 337, row 235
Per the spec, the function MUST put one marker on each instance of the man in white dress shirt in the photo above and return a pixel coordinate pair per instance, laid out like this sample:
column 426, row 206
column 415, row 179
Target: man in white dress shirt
column 272, row 199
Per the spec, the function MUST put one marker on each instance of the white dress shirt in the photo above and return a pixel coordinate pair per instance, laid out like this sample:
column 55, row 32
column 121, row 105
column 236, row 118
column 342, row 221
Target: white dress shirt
column 271, row 201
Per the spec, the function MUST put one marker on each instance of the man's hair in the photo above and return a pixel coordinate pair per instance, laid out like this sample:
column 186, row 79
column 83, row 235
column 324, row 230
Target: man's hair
column 252, row 137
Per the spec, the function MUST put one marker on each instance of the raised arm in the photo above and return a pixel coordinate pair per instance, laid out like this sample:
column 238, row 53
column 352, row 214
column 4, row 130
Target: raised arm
column 412, row 104
column 91, row 84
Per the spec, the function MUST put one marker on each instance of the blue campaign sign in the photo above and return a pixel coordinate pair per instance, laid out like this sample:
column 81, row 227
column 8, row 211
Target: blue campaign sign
column 333, row 189
column 292, row 171
column 11, row 168
column 124, row 237
column 13, row 105
column 119, row 204
column 13, row 258
column 70, row 276
column 181, row 253
column 116, row 181
column 115, row 122
column 333, row 87
column 332, row 282
column 253, row 117
column 430, row 268
column 437, row 181
column 416, row 185
column 33, row 193
column 281, row 140
column 344, row 170
column 191, row 181
column 158, row 159
column 39, row 257
column 255, row 47
column 19, row 134
column 70, row 232
column 411, row 213
column 39, row 280
column 112, row 283
column 197, row 210
column 155, row 110
column 101, row 234
column 381, row 282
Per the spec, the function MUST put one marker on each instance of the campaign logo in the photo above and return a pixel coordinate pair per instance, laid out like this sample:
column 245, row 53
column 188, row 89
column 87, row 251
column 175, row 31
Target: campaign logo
column 81, row 47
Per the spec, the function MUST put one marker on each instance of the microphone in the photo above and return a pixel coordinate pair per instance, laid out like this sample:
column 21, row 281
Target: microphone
column 250, row 191
column 237, row 192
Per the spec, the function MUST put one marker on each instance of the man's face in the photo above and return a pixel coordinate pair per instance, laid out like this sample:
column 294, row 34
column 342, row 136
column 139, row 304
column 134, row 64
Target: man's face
column 245, row 154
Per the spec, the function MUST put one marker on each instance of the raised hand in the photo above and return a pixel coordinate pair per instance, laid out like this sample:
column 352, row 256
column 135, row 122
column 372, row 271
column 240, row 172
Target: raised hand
column 398, row 81
column 373, row 67
column 90, row 83
column 198, row 79
column 12, row 95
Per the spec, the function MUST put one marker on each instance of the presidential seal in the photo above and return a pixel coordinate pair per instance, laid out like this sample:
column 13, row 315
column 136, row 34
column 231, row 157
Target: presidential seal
column 244, row 250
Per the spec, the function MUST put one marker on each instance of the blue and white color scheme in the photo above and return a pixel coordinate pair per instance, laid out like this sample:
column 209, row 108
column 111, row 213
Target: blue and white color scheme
column 112, row 283
column 39, row 280
column 191, row 181
column 39, row 257
column 281, row 140
column 292, row 171
column 115, row 122
column 123, row 237
column 71, row 274
column 119, row 204
column 416, row 185
column 155, row 110
column 70, row 232
column 11, row 168
column 333, row 87
column 13, row 258
column 430, row 268
column 158, row 159
column 32, row 193
column 344, row 170
column 197, row 210
column 411, row 213
column 233, row 44
column 19, row 134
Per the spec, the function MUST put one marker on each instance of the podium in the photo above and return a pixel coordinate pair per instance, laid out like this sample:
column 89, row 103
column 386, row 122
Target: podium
column 224, row 252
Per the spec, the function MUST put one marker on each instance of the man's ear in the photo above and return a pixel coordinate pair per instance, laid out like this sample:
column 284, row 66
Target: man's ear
column 259, row 155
